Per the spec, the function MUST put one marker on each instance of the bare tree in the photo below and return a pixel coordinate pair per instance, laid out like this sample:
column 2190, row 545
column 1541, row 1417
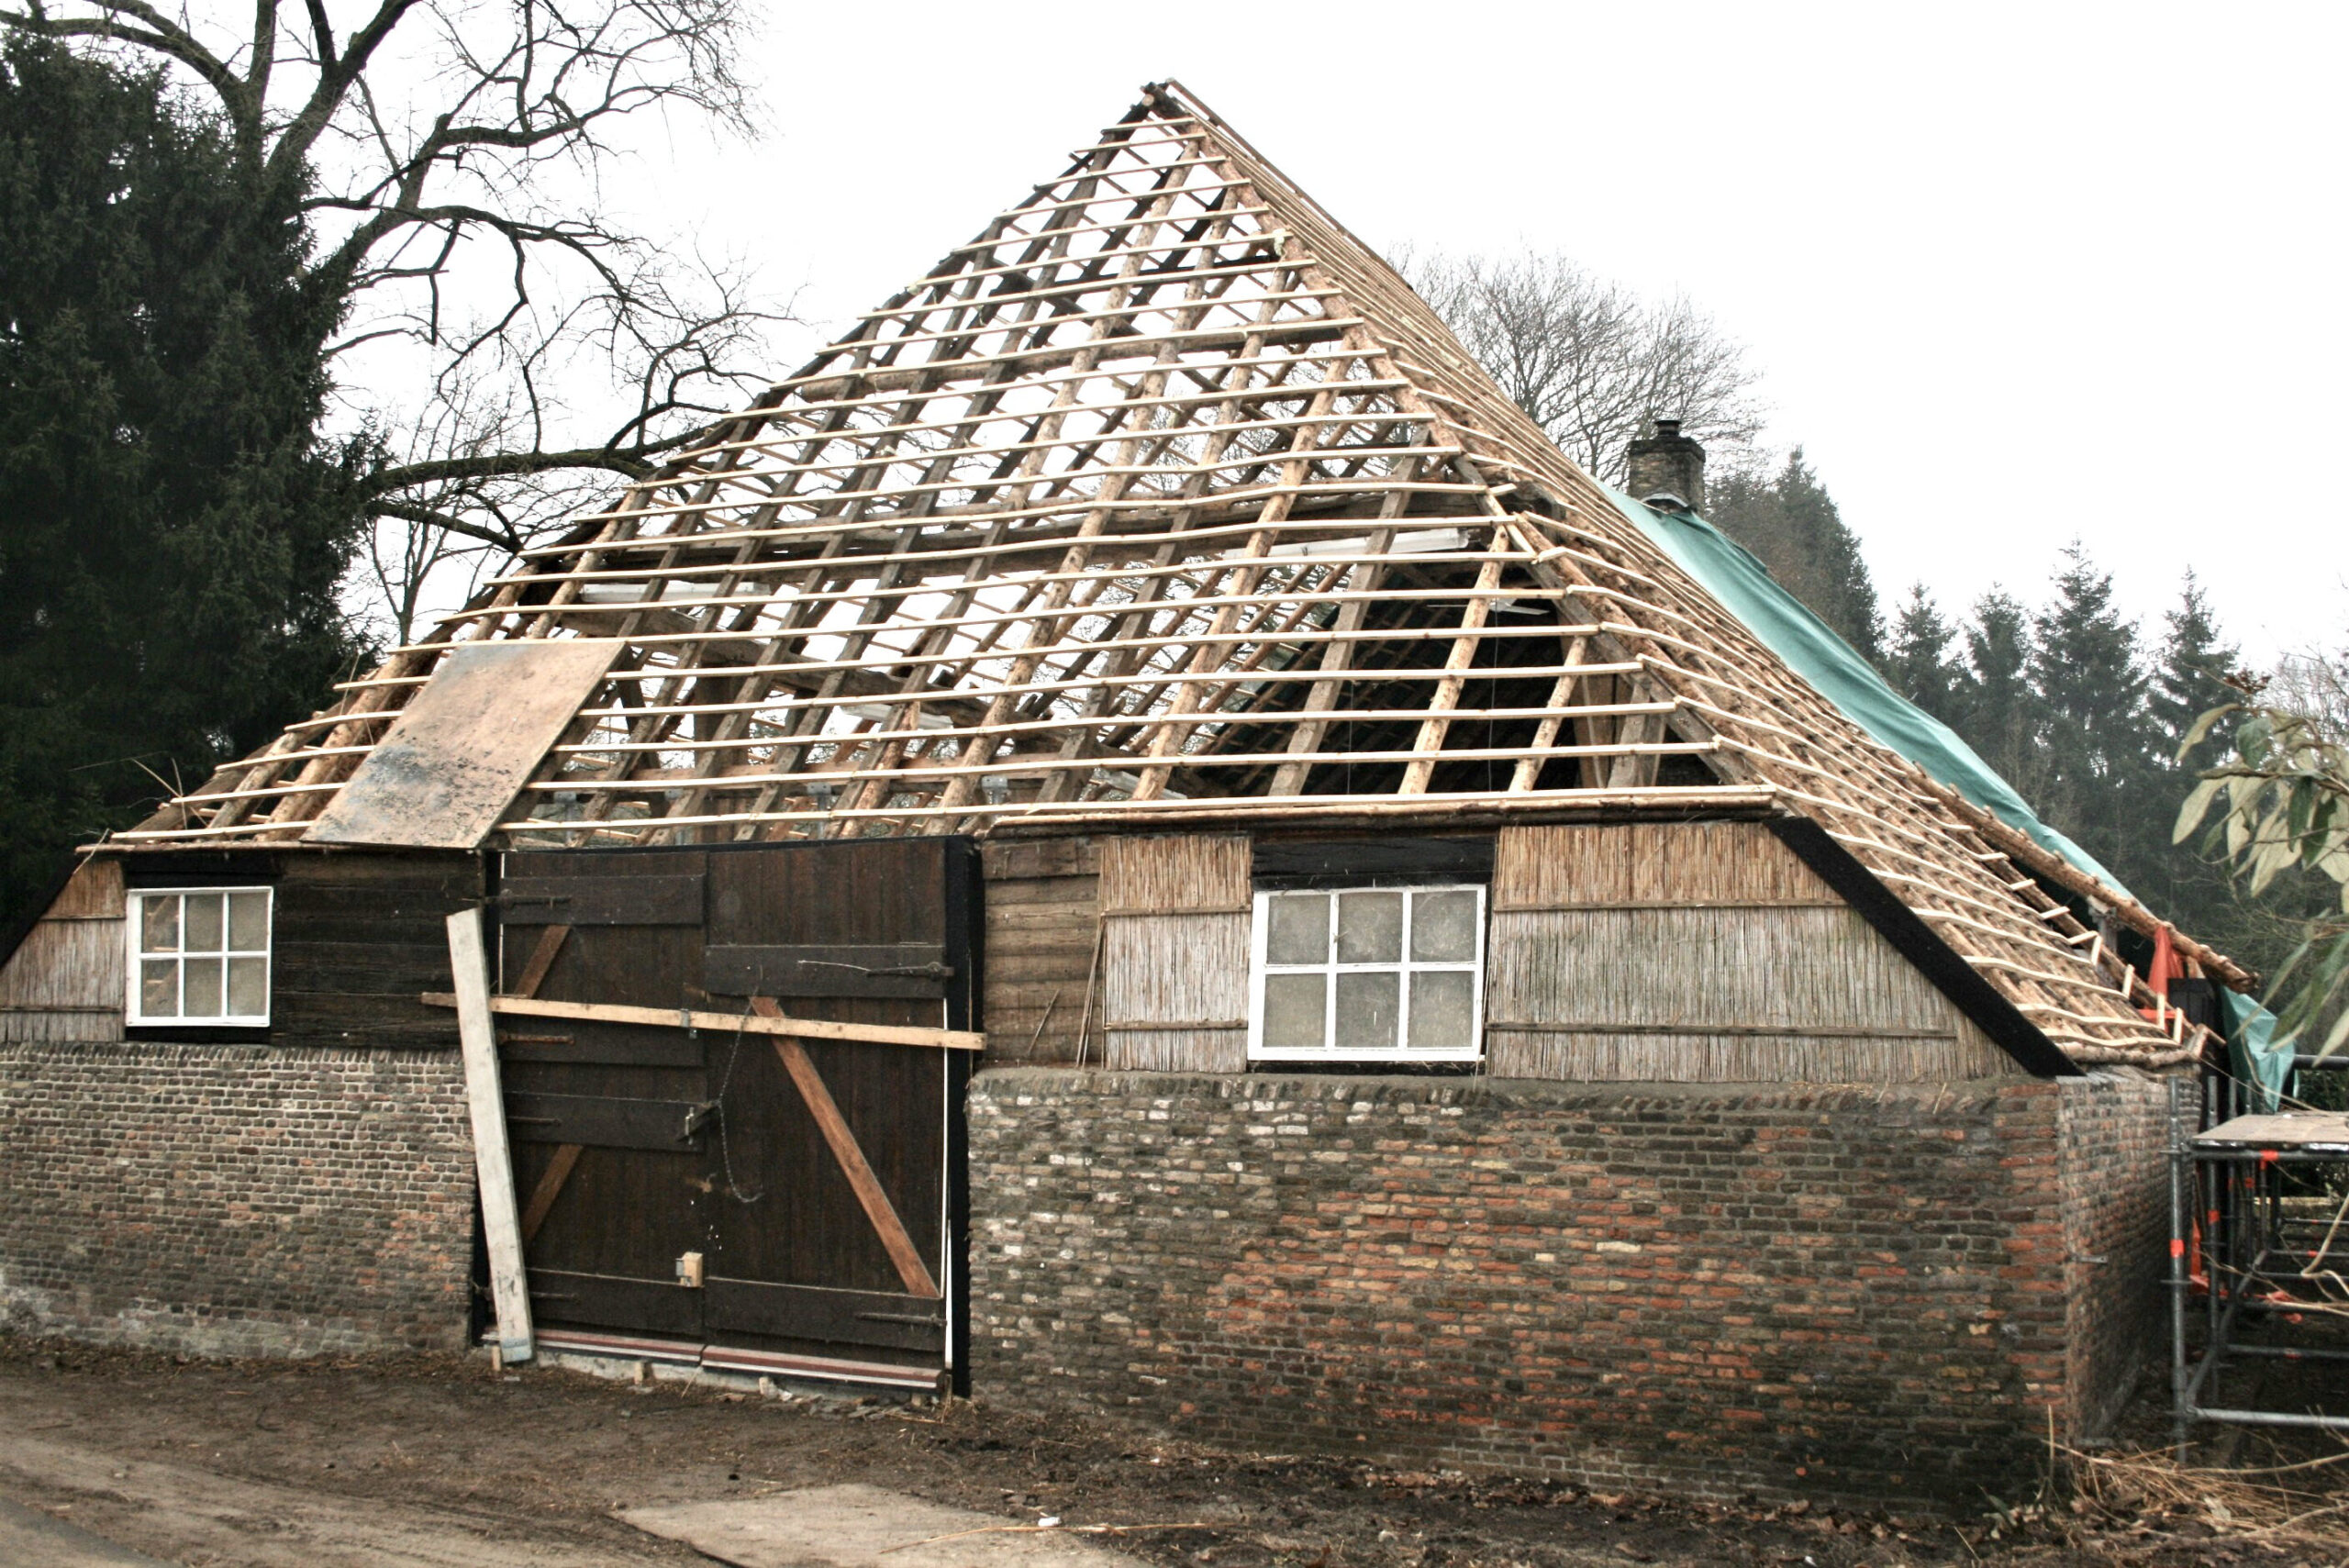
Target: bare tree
column 443, row 156
column 1591, row 361
column 2314, row 686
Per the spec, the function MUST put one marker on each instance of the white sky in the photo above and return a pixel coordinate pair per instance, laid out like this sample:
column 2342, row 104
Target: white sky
column 2013, row 274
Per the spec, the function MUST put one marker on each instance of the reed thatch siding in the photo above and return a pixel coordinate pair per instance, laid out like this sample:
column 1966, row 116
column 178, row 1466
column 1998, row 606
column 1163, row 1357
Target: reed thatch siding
column 1621, row 864
column 1700, row 952
column 65, row 980
column 1043, row 925
column 1182, row 874
column 1174, row 952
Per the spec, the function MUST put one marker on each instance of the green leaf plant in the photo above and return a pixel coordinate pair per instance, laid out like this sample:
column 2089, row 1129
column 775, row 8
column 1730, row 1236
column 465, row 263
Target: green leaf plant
column 2281, row 800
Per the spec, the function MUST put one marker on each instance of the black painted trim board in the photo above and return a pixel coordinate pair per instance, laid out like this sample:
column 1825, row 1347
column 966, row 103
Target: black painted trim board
column 1917, row 942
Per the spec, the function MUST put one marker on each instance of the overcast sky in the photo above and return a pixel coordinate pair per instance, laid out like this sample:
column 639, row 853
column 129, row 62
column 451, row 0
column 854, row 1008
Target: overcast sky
column 2013, row 274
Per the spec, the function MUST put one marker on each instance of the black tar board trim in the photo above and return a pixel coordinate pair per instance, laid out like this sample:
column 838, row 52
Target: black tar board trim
column 1916, row 942
column 13, row 937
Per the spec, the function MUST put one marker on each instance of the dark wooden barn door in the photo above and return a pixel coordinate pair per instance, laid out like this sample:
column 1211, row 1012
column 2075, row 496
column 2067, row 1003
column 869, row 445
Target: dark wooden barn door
column 806, row 1191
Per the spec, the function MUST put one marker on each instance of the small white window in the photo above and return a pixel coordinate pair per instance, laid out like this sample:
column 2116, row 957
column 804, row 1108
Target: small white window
column 1369, row 974
column 199, row 955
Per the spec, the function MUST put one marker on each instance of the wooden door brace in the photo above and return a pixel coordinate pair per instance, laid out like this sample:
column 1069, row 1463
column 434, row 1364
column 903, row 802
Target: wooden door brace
column 566, row 1155
column 851, row 1155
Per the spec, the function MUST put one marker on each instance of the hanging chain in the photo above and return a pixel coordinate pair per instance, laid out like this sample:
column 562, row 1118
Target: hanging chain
column 725, row 1143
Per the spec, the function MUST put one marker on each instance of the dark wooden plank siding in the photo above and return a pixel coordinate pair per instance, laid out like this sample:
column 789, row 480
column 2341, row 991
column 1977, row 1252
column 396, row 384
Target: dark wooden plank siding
column 357, row 936
column 625, row 1215
column 857, row 892
column 1043, row 917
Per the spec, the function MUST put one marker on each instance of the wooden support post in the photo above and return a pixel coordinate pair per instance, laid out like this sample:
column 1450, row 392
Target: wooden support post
column 493, row 1159
column 851, row 1155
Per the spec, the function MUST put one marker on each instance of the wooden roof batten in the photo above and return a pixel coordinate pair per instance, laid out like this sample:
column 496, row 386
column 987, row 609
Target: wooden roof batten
column 1165, row 499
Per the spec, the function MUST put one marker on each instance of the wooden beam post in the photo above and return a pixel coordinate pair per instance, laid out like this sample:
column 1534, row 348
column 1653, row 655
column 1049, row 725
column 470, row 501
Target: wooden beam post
column 492, row 1159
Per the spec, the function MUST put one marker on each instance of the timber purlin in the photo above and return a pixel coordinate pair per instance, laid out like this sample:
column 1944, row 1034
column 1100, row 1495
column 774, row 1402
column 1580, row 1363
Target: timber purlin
column 1164, row 503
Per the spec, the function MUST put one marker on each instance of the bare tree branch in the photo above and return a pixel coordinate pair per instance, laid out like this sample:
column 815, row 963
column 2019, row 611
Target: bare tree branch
column 1590, row 362
column 545, row 346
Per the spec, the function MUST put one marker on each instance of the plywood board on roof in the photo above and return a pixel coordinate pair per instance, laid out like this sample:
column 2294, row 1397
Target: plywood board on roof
column 466, row 744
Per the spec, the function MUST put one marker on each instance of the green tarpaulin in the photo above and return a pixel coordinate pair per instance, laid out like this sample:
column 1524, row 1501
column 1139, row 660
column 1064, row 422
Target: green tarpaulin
column 1788, row 628
column 1747, row 589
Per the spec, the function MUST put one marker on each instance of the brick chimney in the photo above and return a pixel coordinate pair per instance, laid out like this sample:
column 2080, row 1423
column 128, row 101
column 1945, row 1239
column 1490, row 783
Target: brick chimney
column 1668, row 470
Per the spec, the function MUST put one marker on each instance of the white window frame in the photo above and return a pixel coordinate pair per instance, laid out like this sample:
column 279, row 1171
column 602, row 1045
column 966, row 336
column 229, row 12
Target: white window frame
column 134, row 956
column 1259, row 967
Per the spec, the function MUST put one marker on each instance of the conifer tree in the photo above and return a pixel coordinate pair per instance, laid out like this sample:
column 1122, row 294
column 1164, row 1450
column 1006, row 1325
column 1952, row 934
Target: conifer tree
column 171, row 534
column 2182, row 880
column 1792, row 524
column 2189, row 679
column 1917, row 660
column 2090, row 687
column 1996, row 708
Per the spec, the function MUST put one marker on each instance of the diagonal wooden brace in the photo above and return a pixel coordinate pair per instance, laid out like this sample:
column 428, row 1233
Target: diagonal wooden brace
column 851, row 1155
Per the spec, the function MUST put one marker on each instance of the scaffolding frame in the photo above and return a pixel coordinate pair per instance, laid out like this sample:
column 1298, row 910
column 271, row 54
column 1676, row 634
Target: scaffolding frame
column 2228, row 1165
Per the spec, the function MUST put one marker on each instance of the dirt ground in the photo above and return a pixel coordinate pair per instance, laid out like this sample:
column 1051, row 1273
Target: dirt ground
column 437, row 1460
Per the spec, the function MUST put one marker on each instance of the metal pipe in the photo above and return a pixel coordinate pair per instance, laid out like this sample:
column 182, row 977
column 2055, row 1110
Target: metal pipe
column 2178, row 1283
column 2268, row 1418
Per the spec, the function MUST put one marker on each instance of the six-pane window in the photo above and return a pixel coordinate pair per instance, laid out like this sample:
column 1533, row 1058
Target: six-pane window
column 1368, row 973
column 199, row 955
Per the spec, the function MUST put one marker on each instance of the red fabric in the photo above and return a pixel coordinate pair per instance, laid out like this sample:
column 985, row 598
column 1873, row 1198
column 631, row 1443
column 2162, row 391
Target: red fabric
column 2164, row 968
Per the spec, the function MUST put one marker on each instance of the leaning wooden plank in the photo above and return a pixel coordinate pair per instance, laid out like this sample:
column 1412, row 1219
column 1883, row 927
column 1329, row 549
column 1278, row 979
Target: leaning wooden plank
column 851, row 1155
column 493, row 1159
column 684, row 1017
column 461, row 749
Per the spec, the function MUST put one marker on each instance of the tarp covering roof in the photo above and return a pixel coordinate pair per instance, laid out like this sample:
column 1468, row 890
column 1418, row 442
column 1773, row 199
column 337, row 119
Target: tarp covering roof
column 1810, row 646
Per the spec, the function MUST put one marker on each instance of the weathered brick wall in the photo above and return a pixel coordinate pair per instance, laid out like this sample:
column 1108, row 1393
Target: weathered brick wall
column 235, row 1200
column 1716, row 1287
column 2115, row 1139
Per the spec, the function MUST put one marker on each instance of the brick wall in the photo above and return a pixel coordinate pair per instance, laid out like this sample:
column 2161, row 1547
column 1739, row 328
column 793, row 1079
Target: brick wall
column 1715, row 1287
column 235, row 1200
column 2115, row 1141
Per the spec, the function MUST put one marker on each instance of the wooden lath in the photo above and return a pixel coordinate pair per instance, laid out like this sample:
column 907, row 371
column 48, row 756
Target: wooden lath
column 1165, row 499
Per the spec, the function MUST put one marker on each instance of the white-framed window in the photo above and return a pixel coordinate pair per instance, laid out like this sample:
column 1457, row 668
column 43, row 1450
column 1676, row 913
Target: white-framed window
column 1369, row 974
column 199, row 955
